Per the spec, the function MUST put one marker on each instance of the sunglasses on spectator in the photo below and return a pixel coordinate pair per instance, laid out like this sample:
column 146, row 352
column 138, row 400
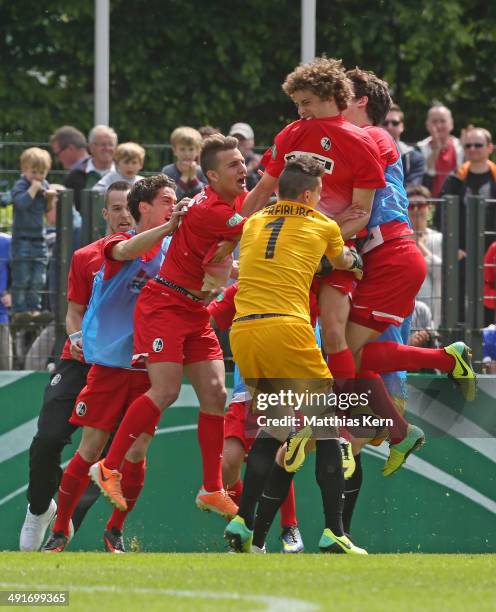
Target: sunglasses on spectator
column 61, row 150
column 473, row 145
column 393, row 122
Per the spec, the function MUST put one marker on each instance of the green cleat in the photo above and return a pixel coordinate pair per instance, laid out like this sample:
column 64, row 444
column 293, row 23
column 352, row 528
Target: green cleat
column 398, row 453
column 330, row 543
column 463, row 373
column 238, row 536
column 294, row 456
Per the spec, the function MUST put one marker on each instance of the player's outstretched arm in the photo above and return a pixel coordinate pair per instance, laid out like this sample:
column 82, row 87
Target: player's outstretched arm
column 144, row 241
column 259, row 195
column 362, row 198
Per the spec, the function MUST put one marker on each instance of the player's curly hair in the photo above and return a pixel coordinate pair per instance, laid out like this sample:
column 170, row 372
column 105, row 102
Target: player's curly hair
column 145, row 190
column 299, row 175
column 324, row 77
column 366, row 83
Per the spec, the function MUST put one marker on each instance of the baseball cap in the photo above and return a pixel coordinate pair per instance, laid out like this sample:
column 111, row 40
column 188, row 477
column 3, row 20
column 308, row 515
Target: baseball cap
column 242, row 129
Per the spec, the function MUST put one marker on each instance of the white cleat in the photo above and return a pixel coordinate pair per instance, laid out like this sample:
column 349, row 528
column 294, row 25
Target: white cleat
column 34, row 528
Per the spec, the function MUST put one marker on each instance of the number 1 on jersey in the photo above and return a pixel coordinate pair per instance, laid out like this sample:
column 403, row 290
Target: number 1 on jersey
column 275, row 226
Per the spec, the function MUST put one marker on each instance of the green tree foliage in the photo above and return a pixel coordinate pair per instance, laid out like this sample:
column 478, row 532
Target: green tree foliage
column 210, row 61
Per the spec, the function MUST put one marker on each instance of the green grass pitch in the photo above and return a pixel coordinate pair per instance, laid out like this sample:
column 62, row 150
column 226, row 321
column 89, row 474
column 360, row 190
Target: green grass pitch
column 274, row 582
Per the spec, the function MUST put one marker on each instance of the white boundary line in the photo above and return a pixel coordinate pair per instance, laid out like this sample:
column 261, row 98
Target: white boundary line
column 271, row 602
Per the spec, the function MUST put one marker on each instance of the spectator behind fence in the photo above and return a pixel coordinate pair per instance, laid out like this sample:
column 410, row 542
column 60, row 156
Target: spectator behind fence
column 5, row 303
column 490, row 283
column 129, row 158
column 102, row 142
column 208, row 130
column 422, row 331
column 32, row 199
column 186, row 145
column 430, row 243
column 246, row 141
column 443, row 153
column 477, row 176
column 69, row 146
column 489, row 349
column 412, row 159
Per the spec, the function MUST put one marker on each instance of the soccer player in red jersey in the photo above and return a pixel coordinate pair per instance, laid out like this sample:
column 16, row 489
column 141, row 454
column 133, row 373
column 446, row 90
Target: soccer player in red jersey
column 54, row 430
column 172, row 329
column 353, row 172
column 112, row 384
column 391, row 259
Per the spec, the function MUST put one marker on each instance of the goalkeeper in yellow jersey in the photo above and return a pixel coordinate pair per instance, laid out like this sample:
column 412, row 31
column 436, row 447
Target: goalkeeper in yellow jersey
column 274, row 345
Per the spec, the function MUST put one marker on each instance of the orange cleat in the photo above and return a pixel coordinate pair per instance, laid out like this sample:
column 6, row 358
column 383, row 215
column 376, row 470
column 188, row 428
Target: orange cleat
column 217, row 501
column 109, row 483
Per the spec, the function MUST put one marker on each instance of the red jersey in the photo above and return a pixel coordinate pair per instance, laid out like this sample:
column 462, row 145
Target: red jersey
column 113, row 266
column 388, row 151
column 349, row 156
column 85, row 264
column 209, row 220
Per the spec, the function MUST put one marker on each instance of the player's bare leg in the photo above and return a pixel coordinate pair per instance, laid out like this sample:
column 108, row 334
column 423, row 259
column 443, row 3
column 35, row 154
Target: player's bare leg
column 207, row 378
column 233, row 456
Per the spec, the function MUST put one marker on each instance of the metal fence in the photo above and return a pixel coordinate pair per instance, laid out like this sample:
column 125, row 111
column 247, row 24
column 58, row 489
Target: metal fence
column 459, row 297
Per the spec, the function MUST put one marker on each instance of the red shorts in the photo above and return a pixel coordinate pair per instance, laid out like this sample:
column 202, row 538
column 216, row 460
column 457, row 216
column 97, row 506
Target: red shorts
column 107, row 395
column 393, row 275
column 342, row 280
column 236, row 426
column 170, row 327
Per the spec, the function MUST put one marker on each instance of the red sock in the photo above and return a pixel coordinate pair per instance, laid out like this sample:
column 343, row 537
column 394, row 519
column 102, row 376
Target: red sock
column 211, row 440
column 381, row 403
column 133, row 479
column 139, row 416
column 342, row 364
column 73, row 484
column 288, row 509
column 235, row 491
column 392, row 357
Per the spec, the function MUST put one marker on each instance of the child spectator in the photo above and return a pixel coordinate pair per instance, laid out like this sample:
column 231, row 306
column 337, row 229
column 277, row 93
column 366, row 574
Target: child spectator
column 129, row 158
column 186, row 145
column 32, row 199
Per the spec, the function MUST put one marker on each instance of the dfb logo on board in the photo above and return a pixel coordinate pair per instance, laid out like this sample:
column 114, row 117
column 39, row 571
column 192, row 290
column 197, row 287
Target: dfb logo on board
column 158, row 345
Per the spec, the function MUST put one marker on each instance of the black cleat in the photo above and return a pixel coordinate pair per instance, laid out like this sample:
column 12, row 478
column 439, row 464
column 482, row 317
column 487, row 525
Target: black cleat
column 113, row 540
column 56, row 542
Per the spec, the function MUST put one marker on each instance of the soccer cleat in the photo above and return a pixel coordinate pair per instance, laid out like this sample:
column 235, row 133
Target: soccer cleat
column 238, row 536
column 109, row 483
column 291, row 540
column 56, row 542
column 218, row 502
column 295, row 452
column 398, row 453
column 257, row 549
column 330, row 543
column 349, row 464
column 463, row 373
column 34, row 528
column 113, row 540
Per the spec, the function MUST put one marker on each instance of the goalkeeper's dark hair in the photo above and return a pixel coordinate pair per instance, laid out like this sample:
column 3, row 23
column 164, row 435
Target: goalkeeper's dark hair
column 145, row 190
column 366, row 83
column 299, row 175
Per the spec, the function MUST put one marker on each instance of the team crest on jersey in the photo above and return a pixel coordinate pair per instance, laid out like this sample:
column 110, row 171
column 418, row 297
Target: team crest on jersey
column 234, row 220
column 56, row 379
column 158, row 345
column 80, row 409
column 138, row 282
column 325, row 143
column 326, row 162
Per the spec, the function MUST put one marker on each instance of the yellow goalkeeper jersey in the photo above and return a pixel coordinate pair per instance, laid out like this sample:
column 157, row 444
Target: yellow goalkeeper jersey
column 280, row 251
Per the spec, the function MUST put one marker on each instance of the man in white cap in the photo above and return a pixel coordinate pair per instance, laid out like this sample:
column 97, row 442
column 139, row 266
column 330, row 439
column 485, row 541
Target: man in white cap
column 246, row 141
